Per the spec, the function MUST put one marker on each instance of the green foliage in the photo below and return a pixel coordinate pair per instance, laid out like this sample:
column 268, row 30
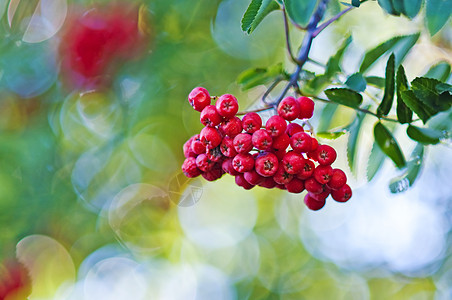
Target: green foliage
column 404, row 113
column 425, row 90
column 386, row 104
column 344, row 96
column 401, row 183
column 437, row 14
column 300, row 11
column 375, row 161
column 418, row 107
column 424, row 136
column 256, row 76
column 352, row 143
column 256, row 12
column 440, row 71
column 356, row 82
column 388, row 145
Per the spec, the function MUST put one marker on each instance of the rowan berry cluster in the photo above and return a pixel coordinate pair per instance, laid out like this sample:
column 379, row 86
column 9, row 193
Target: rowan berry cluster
column 275, row 154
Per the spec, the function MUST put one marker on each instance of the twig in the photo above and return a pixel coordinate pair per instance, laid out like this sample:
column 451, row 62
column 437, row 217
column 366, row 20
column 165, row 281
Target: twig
column 271, row 87
column 286, row 31
column 324, row 25
column 241, row 113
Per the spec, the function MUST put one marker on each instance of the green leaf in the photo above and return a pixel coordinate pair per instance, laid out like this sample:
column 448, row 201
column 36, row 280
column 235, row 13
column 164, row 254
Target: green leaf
column 386, row 104
column 412, row 7
column 326, row 117
column 300, row 11
column 267, row 7
column 356, row 3
column 333, row 64
column 402, row 183
column 376, row 81
column 425, row 136
column 388, row 145
column 404, row 113
column 250, row 15
column 440, row 71
column 344, row 96
column 331, row 135
column 417, row 106
column 352, row 142
column 425, row 90
column 387, row 6
column 404, row 43
column 443, row 87
column 375, row 161
column 316, row 85
column 356, row 82
column 437, row 13
column 398, row 6
column 257, row 76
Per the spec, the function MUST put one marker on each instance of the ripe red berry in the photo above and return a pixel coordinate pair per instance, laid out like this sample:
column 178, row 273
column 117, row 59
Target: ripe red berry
column 307, row 169
column 342, row 194
column 215, row 173
column 326, row 155
column 262, row 140
column 311, row 185
column 312, row 203
column 187, row 148
column 314, row 144
column 275, row 125
column 253, row 177
column 243, row 162
column 306, row 107
column 292, row 162
column 231, row 127
column 210, row 137
column 210, row 117
column 323, row 174
column 228, row 167
column 227, row 106
column 295, row 186
column 337, row 180
column 251, row 122
column 242, row 143
column 281, row 176
column 227, row 147
column 240, row 181
column 293, row 128
column 279, row 153
column 281, row 142
column 322, row 196
column 190, row 169
column 268, row 183
column 197, row 146
column 199, row 98
column 215, row 154
column 204, row 163
column 266, row 164
column 289, row 109
column 301, row 142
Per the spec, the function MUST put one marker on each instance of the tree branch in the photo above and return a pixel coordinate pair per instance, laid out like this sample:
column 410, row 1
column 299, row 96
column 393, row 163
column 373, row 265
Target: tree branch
column 336, row 17
column 286, row 31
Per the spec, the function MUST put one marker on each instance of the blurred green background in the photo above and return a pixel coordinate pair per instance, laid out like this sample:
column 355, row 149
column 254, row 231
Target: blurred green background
column 93, row 203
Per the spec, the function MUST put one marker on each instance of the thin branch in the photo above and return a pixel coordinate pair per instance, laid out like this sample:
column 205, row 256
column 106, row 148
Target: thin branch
column 324, row 25
column 316, row 63
column 270, row 89
column 241, row 113
column 286, row 31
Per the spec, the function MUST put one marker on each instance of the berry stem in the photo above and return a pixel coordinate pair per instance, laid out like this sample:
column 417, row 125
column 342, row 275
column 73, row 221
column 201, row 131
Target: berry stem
column 241, row 113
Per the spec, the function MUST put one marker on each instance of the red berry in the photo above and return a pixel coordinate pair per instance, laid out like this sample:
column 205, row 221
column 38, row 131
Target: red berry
column 266, row 164
column 281, row 142
column 190, row 169
column 251, row 122
column 289, row 109
column 314, row 144
column 215, row 154
column 276, row 126
column 312, row 203
column 281, row 176
column 243, row 162
column 268, row 183
column 292, row 162
column 262, row 140
column 323, row 174
column 306, row 107
column 279, row 153
column 210, row 137
column 326, row 155
column 228, row 167
column 227, row 147
column 301, row 142
column 293, row 128
column 204, row 163
column 342, row 194
column 337, row 180
column 187, row 148
column 227, row 106
column 307, row 170
column 215, row 173
column 311, row 185
column 197, row 146
column 240, row 181
column 295, row 186
column 253, row 178
column 322, row 196
column 242, row 143
column 210, row 117
column 199, row 98
column 231, row 127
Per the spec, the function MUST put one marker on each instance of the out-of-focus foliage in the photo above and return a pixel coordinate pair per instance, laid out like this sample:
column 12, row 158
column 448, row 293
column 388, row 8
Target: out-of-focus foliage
column 92, row 204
